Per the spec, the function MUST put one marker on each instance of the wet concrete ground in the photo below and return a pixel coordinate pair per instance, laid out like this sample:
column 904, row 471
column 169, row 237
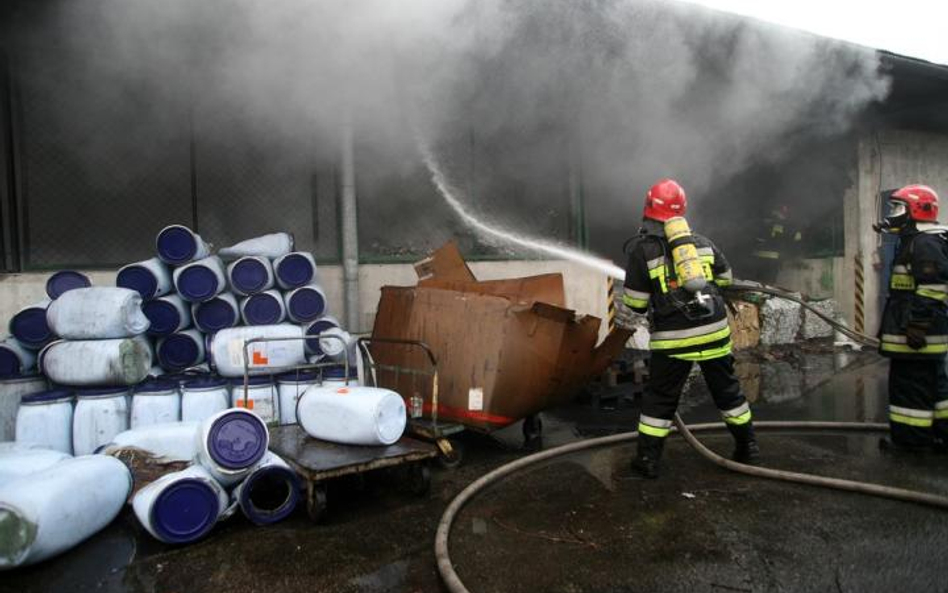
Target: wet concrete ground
column 585, row 522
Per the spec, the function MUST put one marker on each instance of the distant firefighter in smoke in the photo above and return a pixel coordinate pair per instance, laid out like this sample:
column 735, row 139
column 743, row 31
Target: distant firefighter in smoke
column 674, row 276
column 778, row 242
column 914, row 331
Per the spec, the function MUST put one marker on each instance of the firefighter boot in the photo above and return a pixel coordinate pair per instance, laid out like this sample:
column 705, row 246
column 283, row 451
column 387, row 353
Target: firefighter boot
column 745, row 443
column 648, row 461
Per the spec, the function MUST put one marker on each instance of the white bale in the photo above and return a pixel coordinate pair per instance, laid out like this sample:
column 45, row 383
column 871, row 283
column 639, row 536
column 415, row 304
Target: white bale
column 20, row 459
column 352, row 415
column 52, row 510
column 779, row 321
column 272, row 246
column 227, row 349
column 813, row 326
column 96, row 313
column 172, row 441
column 124, row 361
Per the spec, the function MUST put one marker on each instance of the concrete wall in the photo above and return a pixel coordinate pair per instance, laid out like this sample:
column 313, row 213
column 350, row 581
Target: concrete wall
column 585, row 289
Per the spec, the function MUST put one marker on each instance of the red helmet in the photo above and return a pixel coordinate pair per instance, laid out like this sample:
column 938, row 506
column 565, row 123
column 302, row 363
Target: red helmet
column 666, row 199
column 921, row 201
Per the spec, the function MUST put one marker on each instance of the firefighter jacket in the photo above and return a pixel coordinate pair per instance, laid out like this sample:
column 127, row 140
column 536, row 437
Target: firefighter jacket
column 918, row 289
column 780, row 239
column 652, row 286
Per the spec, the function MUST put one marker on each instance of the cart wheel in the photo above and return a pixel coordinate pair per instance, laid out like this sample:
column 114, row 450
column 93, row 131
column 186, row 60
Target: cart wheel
column 419, row 478
column 451, row 453
column 533, row 433
column 316, row 505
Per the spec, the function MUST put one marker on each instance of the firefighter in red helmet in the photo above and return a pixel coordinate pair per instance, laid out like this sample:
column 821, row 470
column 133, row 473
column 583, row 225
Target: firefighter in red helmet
column 688, row 324
column 914, row 328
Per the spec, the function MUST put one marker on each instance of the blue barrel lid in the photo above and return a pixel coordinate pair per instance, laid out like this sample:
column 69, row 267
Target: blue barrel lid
column 156, row 386
column 178, row 352
column 164, row 317
column 139, row 279
column 316, row 328
column 99, row 391
column 253, row 380
column 64, row 281
column 307, row 304
column 249, row 275
column 300, row 376
column 30, row 328
column 237, row 439
column 202, row 383
column 185, row 511
column 198, row 283
column 267, row 516
column 47, row 397
column 295, row 270
column 336, row 372
column 176, row 244
column 9, row 362
column 215, row 315
column 262, row 309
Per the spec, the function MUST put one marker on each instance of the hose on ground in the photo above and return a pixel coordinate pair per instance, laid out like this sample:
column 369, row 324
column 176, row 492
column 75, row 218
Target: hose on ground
column 772, row 290
column 454, row 584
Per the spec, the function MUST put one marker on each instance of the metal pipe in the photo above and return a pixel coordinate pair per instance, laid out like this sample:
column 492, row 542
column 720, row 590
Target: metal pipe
column 349, row 224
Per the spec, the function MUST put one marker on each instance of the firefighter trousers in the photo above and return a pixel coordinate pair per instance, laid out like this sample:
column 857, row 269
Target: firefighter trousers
column 918, row 395
column 666, row 380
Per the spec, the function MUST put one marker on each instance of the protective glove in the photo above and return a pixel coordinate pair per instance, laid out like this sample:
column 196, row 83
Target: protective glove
column 915, row 335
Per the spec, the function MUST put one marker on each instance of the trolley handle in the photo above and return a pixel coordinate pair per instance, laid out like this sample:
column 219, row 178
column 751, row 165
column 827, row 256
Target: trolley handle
column 419, row 343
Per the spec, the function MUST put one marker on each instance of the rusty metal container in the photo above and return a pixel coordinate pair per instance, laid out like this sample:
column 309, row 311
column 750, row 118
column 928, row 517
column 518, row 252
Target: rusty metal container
column 505, row 349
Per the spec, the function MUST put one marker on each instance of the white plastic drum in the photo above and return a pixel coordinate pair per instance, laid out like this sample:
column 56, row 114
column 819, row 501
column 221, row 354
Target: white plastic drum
column 260, row 397
column 101, row 312
column 181, row 350
column 336, row 343
column 167, row 315
column 11, row 390
column 352, row 415
column 200, row 280
column 29, row 326
column 55, row 509
column 177, row 245
column 181, row 507
column 173, row 441
column 270, row 492
column 324, row 323
column 220, row 312
column 18, row 460
column 231, row 443
column 305, row 304
column 295, row 269
column 227, row 349
column 250, row 274
column 45, row 419
column 265, row 308
column 155, row 402
column 290, row 386
column 124, row 361
column 149, row 278
column 202, row 398
column 270, row 246
column 101, row 413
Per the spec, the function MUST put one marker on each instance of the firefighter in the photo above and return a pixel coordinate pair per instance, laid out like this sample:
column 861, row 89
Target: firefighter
column 778, row 243
column 686, row 326
column 914, row 328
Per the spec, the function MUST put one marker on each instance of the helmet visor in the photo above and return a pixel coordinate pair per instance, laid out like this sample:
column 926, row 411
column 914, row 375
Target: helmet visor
column 894, row 209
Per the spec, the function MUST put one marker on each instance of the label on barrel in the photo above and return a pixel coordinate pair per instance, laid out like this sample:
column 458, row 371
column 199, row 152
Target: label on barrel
column 475, row 399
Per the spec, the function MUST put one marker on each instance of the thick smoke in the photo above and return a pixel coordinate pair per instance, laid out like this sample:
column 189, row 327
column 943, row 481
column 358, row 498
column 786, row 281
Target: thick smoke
column 533, row 106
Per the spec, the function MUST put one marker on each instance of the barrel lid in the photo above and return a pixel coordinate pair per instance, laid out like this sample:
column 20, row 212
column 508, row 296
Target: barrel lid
column 215, row 315
column 9, row 362
column 249, row 275
column 306, row 304
column 262, row 309
column 295, row 270
column 47, row 397
column 316, row 328
column 253, row 380
column 137, row 278
column 337, row 371
column 64, row 281
column 156, row 386
column 185, row 511
column 301, row 376
column 269, row 516
column 30, row 328
column 198, row 283
column 164, row 317
column 237, row 439
column 99, row 391
column 176, row 244
column 178, row 351
column 203, row 383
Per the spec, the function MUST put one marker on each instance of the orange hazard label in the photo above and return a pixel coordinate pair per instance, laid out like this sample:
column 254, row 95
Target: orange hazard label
column 342, row 391
column 259, row 358
column 242, row 404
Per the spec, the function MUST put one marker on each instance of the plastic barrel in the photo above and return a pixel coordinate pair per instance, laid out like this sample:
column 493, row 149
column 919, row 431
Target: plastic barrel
column 180, row 507
column 227, row 349
column 57, row 508
column 15, row 360
column 230, row 443
column 202, row 398
column 290, row 386
column 167, row 315
column 200, row 280
column 295, row 269
column 177, row 245
column 149, row 278
column 324, row 323
column 45, row 419
column 97, row 313
column 170, row 441
column 352, row 415
column 181, row 350
column 11, row 390
column 265, row 308
column 216, row 314
column 260, row 397
column 18, row 460
column 270, row 493
column 124, row 361
column 305, row 304
column 100, row 414
column 335, row 343
column 155, row 402
column 30, row 328
column 64, row 281
column 250, row 274
column 270, row 246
